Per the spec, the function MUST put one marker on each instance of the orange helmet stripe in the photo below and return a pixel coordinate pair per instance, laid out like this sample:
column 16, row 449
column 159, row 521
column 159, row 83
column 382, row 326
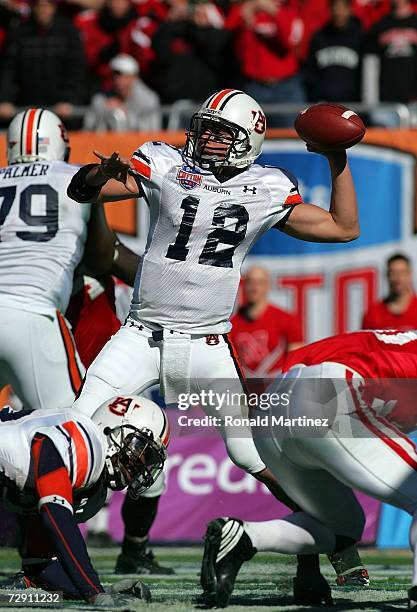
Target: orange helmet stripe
column 29, row 130
column 220, row 96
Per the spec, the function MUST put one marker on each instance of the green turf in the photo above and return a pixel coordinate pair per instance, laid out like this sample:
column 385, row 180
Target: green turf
column 264, row 584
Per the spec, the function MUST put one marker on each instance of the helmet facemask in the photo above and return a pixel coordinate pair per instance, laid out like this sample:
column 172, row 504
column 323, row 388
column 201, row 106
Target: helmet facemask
column 215, row 142
column 134, row 459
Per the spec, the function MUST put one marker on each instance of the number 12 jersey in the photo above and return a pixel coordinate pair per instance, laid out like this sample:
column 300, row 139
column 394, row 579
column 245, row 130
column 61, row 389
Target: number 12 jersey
column 200, row 232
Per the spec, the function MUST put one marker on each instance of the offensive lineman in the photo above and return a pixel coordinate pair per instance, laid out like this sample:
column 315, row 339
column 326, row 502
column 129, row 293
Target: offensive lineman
column 56, row 466
column 43, row 237
column 208, row 204
column 365, row 382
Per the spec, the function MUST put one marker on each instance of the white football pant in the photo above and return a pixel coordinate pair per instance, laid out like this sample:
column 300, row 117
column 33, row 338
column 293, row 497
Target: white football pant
column 38, row 358
column 361, row 450
column 131, row 361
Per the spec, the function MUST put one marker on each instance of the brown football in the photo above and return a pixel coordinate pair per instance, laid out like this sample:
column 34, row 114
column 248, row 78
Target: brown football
column 329, row 126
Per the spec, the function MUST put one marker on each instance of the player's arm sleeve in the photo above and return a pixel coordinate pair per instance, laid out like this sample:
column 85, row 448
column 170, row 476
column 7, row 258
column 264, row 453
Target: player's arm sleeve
column 151, row 162
column 111, row 191
column 145, row 170
column 78, row 189
column 54, row 490
column 287, row 197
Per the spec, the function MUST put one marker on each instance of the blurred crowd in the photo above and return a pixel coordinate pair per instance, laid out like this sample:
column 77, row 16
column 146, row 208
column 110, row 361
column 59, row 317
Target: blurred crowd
column 124, row 58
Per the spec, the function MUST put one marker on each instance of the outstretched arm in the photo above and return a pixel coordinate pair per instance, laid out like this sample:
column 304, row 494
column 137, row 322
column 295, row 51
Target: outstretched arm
column 340, row 223
column 109, row 181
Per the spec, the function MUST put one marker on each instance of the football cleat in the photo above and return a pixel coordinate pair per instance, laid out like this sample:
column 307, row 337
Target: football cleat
column 136, row 559
column 349, row 568
column 17, row 582
column 226, row 547
column 412, row 598
column 355, row 577
column 134, row 587
column 311, row 590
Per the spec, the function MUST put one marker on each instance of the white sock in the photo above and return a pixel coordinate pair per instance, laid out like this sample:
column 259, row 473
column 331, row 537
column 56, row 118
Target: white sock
column 297, row 533
column 413, row 546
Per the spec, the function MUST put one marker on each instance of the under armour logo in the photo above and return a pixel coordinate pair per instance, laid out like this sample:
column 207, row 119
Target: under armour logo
column 246, row 188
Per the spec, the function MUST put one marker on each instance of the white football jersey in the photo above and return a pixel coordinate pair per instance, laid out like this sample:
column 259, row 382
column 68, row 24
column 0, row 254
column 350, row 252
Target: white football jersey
column 200, row 232
column 75, row 436
column 42, row 235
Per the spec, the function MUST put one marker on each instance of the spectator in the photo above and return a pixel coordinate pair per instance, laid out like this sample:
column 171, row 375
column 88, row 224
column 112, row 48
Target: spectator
column 128, row 105
column 393, row 40
column 266, row 34
column 371, row 11
column 333, row 65
column 189, row 48
column 399, row 309
column 118, row 28
column 261, row 332
column 314, row 14
column 43, row 63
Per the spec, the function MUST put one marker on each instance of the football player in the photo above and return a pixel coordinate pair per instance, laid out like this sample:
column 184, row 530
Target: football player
column 92, row 314
column 58, row 464
column 208, row 204
column 364, row 383
column 43, row 237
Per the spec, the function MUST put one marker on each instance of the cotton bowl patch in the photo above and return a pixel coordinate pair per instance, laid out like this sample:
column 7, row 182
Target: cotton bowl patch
column 189, row 178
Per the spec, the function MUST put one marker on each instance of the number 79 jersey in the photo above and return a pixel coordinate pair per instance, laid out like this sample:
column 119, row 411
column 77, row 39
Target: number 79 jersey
column 42, row 236
column 200, row 231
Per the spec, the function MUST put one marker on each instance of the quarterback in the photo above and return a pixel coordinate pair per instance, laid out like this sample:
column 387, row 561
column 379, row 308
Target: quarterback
column 56, row 466
column 208, row 204
column 365, row 381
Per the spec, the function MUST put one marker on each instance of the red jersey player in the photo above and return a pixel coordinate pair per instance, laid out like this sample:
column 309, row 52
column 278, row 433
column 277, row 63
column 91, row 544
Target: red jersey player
column 358, row 389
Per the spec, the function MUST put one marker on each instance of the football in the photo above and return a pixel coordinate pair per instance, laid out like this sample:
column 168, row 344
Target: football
column 329, row 127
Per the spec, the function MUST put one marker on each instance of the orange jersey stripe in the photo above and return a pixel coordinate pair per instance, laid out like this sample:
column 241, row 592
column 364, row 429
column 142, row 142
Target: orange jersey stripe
column 73, row 370
column 142, row 168
column 29, row 130
column 293, row 199
column 81, row 452
column 55, row 483
column 220, row 97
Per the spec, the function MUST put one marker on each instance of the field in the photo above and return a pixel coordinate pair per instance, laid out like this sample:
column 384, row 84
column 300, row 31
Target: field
column 263, row 585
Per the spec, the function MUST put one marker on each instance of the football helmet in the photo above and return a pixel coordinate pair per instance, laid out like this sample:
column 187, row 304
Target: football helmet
column 136, row 433
column 36, row 134
column 228, row 130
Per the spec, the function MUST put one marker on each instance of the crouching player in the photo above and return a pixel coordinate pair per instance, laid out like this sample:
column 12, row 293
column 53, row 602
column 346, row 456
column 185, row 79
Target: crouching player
column 58, row 465
column 364, row 383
